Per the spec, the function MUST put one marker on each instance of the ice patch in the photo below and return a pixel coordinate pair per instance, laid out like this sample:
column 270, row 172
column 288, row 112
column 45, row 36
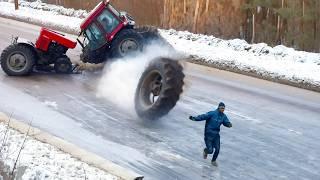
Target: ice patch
column 244, row 117
column 51, row 104
column 294, row 131
column 169, row 155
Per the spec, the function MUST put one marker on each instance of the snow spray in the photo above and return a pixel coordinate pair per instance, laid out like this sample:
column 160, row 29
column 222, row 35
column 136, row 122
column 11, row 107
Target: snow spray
column 121, row 76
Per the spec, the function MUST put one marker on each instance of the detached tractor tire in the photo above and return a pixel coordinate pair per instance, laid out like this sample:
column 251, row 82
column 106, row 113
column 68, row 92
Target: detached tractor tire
column 18, row 60
column 63, row 65
column 126, row 42
column 159, row 88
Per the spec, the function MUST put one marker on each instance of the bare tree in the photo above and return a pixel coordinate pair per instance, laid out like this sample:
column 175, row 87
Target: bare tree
column 302, row 22
column 253, row 27
column 279, row 24
column 16, row 4
column 12, row 174
column 207, row 6
column 196, row 14
column 251, row 8
column 4, row 140
column 165, row 13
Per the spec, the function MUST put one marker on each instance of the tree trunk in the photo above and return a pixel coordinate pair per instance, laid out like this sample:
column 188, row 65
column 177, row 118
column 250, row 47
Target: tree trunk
column 302, row 23
column 279, row 26
column 278, row 29
column 207, row 5
column 317, row 20
column 195, row 18
column 16, row 4
column 253, row 28
column 165, row 13
column 172, row 12
column 184, row 6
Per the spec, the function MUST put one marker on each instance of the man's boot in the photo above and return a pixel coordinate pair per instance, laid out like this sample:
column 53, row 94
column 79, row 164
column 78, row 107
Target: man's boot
column 205, row 154
column 214, row 163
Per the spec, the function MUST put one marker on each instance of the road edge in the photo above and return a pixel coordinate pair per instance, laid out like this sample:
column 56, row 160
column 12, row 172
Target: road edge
column 199, row 61
column 73, row 150
column 255, row 74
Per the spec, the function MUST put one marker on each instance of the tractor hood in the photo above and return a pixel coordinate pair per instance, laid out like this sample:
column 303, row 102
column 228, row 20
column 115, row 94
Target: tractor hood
column 128, row 18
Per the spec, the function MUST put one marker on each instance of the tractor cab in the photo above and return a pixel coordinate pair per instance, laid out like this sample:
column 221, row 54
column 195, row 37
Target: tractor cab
column 100, row 28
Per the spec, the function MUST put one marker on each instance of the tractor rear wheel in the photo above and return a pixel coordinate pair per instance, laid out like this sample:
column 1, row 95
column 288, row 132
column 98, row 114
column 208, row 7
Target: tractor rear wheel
column 159, row 88
column 63, row 65
column 17, row 60
column 126, row 42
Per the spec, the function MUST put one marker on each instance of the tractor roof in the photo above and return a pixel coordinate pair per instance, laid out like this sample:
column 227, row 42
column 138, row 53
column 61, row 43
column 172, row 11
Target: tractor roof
column 93, row 14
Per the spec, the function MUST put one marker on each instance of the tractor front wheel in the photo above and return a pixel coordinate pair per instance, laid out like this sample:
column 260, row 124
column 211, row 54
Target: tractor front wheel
column 17, row 60
column 126, row 42
column 63, row 65
column 159, row 88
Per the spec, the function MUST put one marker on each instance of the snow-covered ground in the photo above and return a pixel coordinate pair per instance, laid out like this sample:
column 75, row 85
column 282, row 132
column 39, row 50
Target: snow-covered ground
column 278, row 62
column 35, row 13
column 42, row 161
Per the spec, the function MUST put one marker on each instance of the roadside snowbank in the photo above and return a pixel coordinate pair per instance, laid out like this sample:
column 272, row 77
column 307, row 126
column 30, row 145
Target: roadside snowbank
column 59, row 10
column 273, row 63
column 43, row 161
column 50, row 19
column 279, row 62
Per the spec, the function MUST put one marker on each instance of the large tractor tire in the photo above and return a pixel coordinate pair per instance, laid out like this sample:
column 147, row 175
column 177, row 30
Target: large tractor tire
column 18, row 60
column 128, row 41
column 63, row 65
column 159, row 88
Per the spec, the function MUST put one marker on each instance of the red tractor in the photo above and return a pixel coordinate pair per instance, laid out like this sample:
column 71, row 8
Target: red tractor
column 105, row 34
column 22, row 56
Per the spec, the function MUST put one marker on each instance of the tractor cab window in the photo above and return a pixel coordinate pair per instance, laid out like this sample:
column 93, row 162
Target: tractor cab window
column 108, row 21
column 95, row 36
column 114, row 11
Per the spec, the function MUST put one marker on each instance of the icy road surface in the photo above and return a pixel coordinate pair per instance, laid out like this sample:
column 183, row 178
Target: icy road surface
column 275, row 135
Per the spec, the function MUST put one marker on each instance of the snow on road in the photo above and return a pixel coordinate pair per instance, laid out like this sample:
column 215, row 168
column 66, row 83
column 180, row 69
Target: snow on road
column 43, row 161
column 278, row 62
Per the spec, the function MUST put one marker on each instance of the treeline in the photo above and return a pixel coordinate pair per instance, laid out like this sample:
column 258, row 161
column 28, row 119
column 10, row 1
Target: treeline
column 294, row 23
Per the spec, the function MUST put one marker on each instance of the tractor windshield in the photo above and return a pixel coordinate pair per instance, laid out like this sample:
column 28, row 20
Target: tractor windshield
column 95, row 36
column 108, row 21
column 105, row 23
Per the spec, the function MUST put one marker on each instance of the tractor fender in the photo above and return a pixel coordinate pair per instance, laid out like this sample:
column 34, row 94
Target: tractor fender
column 25, row 42
column 18, row 40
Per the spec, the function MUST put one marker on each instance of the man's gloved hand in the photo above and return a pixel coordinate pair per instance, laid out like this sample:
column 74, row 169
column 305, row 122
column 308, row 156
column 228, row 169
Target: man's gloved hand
column 191, row 118
column 229, row 125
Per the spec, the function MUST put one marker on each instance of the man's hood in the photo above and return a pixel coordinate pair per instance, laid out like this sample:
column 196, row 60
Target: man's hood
column 221, row 104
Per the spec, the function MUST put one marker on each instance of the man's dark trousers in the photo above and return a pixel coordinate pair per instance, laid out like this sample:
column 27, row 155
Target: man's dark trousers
column 212, row 142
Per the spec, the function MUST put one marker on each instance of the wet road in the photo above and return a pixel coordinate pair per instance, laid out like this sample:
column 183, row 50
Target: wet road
column 275, row 135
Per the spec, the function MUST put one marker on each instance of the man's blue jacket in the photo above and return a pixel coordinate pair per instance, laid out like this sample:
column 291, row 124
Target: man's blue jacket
column 214, row 119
